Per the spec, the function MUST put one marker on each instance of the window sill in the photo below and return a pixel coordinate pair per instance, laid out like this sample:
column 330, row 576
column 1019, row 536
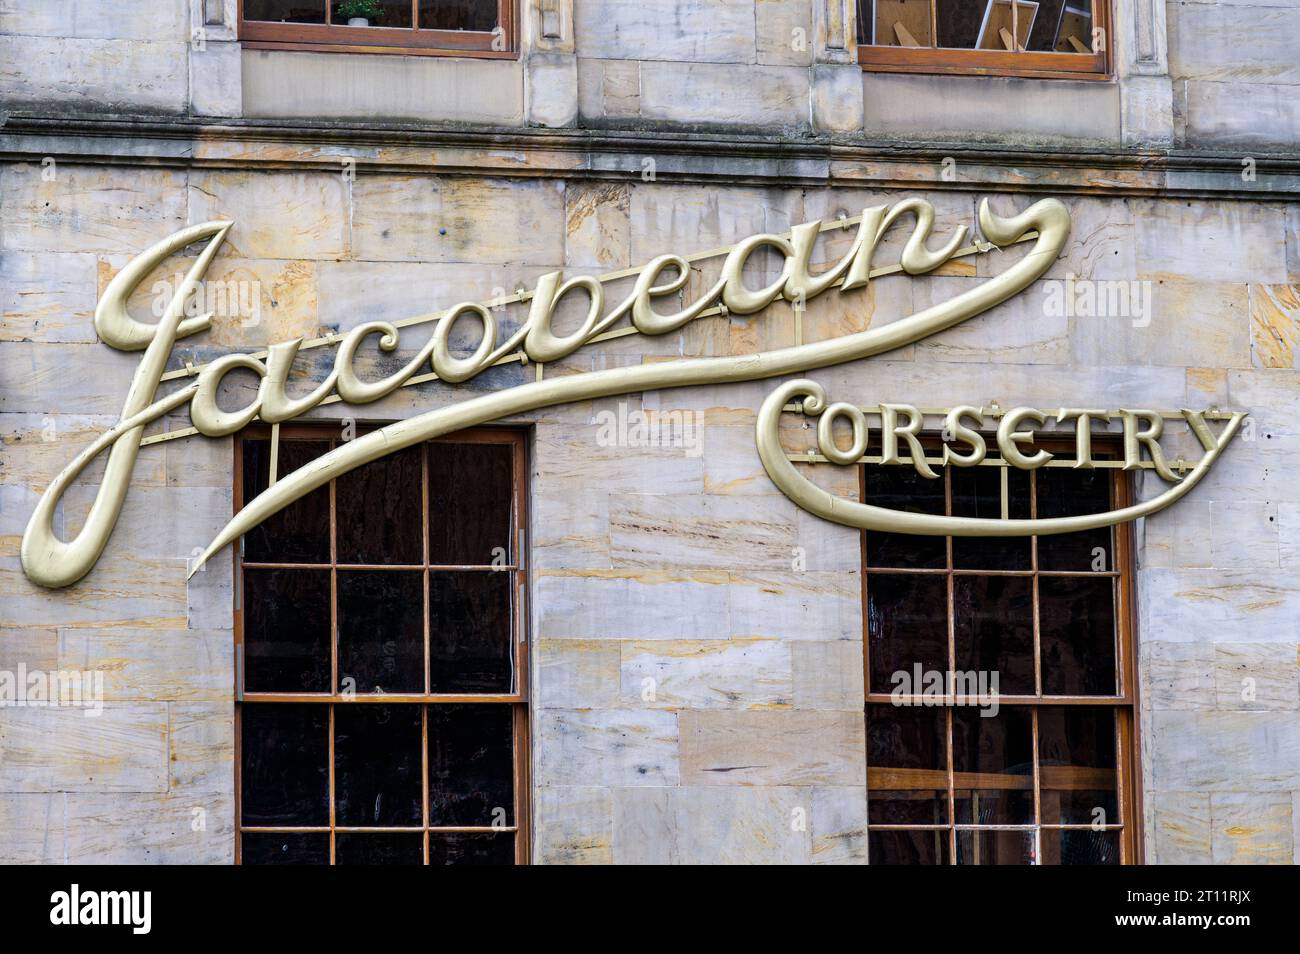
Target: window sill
column 1065, row 66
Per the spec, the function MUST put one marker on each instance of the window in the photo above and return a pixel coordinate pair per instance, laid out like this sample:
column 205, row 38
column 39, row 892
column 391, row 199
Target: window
column 1046, row 38
column 465, row 27
column 1048, row 774
column 380, row 657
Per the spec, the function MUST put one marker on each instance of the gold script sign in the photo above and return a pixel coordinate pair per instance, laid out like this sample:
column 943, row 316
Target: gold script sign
column 52, row 562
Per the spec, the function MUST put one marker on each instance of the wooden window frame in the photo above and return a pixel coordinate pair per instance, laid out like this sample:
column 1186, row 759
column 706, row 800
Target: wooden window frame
column 408, row 41
column 517, row 699
column 964, row 62
column 1124, row 703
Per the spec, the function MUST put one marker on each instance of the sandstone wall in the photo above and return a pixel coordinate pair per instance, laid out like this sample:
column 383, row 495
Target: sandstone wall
column 647, row 562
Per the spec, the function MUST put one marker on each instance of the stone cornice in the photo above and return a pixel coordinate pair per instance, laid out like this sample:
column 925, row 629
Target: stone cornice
column 678, row 156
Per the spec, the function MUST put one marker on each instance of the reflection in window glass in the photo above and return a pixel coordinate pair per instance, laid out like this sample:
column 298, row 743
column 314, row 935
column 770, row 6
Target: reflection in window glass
column 285, row 770
column 285, row 11
column 995, row 847
column 479, row 15
column 907, row 765
column 993, row 766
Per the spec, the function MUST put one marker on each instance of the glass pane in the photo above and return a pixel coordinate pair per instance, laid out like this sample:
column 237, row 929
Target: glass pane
column 470, row 642
column 1077, row 635
column 280, row 848
column 907, row 847
column 1080, row 847
column 1076, row 750
column 284, row 757
column 896, row 23
column 995, row 847
column 300, row 533
column 986, row 24
column 907, row 765
column 286, row 630
column 471, row 493
column 907, row 627
column 900, row 487
column 365, row 848
column 285, row 11
column 1063, row 26
column 977, row 492
column 992, row 760
column 381, row 630
column 1063, row 492
column 478, row 15
column 993, row 620
column 471, row 765
column 379, row 777
column 389, row 13
column 379, row 511
column 471, row 848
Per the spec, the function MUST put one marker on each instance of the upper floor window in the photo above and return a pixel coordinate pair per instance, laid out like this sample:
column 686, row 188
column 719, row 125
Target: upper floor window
column 1043, row 38
column 475, row 27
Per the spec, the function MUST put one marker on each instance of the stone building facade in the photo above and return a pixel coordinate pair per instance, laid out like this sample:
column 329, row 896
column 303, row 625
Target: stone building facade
column 374, row 187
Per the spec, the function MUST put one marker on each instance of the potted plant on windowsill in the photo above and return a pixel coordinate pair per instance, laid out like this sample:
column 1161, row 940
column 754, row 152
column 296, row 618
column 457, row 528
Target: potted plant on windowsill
column 359, row 13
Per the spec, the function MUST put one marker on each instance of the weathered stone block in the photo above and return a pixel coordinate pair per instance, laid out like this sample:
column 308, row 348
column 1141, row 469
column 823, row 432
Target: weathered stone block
column 626, row 604
column 494, row 221
column 123, row 749
column 71, row 208
column 1256, row 676
column 772, row 748
column 710, row 31
column 578, row 673
column 706, row 825
column 573, row 825
column 1251, row 828
column 606, row 747
column 285, row 215
column 707, row 674
column 1180, row 828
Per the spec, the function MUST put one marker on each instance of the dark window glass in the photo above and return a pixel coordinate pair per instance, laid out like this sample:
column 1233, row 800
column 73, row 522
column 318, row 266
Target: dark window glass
column 995, row 847
column 478, row 15
column 380, row 514
column 907, row 626
column 1076, row 749
column 285, row 848
column 286, row 630
column 471, row 768
column 900, row 487
column 285, row 11
column 471, row 848
column 300, row 533
column 1080, row 847
column 393, row 13
column 977, row 492
column 284, row 756
column 378, row 618
column 470, row 641
column 381, row 630
column 368, row 848
column 907, row 765
column 995, row 754
column 994, row 631
column 894, row 847
column 1064, row 492
column 1077, row 635
column 378, row 778
column 471, row 490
